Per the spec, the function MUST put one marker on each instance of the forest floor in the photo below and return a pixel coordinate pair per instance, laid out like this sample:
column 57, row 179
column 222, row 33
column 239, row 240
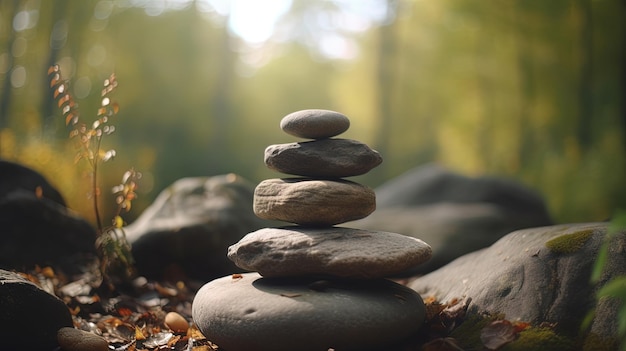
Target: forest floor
column 132, row 319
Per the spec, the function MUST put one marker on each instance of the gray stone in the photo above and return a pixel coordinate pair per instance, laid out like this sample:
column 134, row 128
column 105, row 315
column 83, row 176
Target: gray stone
column 37, row 228
column 528, row 277
column 315, row 124
column 431, row 183
column 342, row 252
column 453, row 213
column 249, row 313
column 451, row 229
column 313, row 202
column 72, row 339
column 188, row 228
column 30, row 316
column 322, row 158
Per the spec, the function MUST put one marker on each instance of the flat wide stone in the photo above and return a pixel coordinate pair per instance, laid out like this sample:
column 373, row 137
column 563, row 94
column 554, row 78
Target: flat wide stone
column 313, row 202
column 246, row 312
column 322, row 158
column 315, row 124
column 342, row 252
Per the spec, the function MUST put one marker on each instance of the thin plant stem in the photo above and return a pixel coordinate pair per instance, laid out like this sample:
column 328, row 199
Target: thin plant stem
column 95, row 188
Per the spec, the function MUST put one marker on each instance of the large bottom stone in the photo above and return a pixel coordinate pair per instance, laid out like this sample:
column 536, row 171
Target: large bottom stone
column 249, row 313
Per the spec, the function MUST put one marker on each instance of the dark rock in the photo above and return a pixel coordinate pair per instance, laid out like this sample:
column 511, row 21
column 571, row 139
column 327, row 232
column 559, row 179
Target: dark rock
column 14, row 177
column 249, row 313
column 341, row 252
column 536, row 275
column 430, row 184
column 30, row 316
column 39, row 229
column 454, row 214
column 313, row 202
column 315, row 124
column 190, row 225
column 335, row 158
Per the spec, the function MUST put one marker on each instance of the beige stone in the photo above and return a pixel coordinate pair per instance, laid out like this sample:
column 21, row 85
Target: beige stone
column 313, row 202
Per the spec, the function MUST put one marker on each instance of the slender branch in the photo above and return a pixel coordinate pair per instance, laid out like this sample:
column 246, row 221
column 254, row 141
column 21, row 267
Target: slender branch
column 95, row 188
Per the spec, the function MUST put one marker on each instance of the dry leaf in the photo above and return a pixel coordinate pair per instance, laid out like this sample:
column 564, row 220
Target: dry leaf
column 497, row 334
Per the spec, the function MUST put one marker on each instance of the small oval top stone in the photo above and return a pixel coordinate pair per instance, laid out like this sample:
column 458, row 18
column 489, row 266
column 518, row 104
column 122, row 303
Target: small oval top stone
column 315, row 124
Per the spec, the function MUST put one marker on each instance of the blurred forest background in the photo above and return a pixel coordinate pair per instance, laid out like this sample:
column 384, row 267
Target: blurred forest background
column 526, row 89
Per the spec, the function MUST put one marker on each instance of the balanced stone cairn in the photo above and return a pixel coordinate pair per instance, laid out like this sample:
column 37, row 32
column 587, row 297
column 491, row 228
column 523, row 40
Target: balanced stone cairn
column 315, row 286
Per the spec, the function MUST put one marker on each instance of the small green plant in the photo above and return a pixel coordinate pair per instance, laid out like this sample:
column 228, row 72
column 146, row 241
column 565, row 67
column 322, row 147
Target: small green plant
column 614, row 288
column 116, row 261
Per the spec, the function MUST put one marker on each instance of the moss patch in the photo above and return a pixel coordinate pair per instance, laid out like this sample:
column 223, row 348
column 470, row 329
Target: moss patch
column 530, row 339
column 468, row 333
column 540, row 339
column 569, row 243
column 593, row 342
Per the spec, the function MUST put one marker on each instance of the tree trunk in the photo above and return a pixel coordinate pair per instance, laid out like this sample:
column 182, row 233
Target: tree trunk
column 5, row 98
column 585, row 90
column 385, row 71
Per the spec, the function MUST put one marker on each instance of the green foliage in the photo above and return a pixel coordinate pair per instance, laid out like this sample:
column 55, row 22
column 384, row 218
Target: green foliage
column 500, row 88
column 540, row 339
column 614, row 288
column 594, row 342
column 569, row 243
column 116, row 261
column 468, row 333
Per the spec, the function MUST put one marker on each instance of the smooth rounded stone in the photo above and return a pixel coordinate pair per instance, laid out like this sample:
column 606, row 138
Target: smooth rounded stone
column 313, row 202
column 30, row 316
column 71, row 339
column 322, row 158
column 315, row 124
column 245, row 312
column 342, row 252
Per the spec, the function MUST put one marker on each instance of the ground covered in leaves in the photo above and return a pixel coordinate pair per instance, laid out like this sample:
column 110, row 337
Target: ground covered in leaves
column 133, row 318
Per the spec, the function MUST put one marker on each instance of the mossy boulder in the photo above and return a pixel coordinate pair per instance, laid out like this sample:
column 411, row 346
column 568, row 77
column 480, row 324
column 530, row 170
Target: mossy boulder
column 538, row 275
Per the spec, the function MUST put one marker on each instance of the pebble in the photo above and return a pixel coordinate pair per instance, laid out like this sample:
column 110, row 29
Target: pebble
column 72, row 339
column 245, row 312
column 315, row 124
column 176, row 322
column 341, row 252
column 322, row 158
column 313, row 202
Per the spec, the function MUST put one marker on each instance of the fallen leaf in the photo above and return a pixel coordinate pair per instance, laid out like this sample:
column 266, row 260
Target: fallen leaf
column 497, row 334
column 442, row 344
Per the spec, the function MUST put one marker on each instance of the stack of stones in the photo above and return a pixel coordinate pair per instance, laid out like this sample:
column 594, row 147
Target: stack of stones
column 315, row 286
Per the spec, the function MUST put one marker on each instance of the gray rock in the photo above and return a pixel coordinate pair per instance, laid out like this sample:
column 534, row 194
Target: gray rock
column 452, row 230
column 453, row 213
column 249, row 313
column 189, row 227
column 30, row 316
column 315, row 124
column 14, row 176
column 431, row 183
column 342, row 252
column 37, row 228
column 528, row 277
column 313, row 202
column 335, row 158
column 72, row 339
